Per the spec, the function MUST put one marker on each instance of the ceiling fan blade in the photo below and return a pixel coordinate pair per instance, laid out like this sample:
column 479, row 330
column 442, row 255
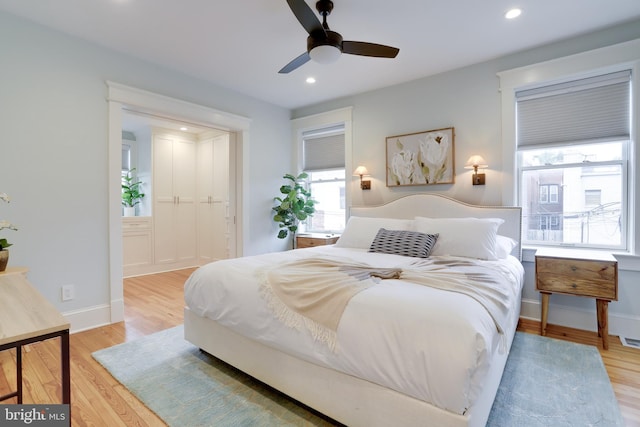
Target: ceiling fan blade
column 299, row 61
column 306, row 16
column 369, row 49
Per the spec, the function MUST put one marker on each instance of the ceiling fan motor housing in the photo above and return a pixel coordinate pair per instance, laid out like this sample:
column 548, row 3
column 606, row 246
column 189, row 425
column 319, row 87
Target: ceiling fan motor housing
column 332, row 39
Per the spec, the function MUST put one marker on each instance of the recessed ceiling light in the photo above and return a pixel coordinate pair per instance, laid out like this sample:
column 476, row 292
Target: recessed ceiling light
column 184, row 129
column 513, row 13
column 311, row 80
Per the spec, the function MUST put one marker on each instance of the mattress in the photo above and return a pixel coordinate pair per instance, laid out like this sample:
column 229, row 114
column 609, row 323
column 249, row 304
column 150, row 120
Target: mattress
column 431, row 344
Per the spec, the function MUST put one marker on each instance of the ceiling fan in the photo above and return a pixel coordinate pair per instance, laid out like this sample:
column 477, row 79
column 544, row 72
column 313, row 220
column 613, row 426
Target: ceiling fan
column 326, row 46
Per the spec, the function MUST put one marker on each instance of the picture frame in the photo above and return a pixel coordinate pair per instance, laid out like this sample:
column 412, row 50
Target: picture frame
column 422, row 158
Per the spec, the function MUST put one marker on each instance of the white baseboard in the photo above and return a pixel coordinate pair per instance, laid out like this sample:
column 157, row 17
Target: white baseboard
column 146, row 269
column 88, row 318
column 117, row 310
column 572, row 317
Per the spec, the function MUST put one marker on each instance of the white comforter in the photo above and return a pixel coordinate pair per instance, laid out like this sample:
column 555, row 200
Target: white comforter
column 430, row 344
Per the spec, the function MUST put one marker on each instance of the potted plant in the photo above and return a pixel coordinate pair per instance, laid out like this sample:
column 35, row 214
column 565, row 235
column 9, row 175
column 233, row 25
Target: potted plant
column 294, row 205
column 131, row 194
column 4, row 244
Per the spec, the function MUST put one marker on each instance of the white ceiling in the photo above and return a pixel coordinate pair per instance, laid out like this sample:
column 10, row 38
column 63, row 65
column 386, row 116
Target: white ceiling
column 242, row 44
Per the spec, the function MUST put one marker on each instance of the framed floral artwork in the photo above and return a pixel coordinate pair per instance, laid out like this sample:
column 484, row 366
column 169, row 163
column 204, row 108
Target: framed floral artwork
column 423, row 158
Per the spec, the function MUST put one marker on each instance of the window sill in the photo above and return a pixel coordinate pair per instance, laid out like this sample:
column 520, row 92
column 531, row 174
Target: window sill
column 627, row 262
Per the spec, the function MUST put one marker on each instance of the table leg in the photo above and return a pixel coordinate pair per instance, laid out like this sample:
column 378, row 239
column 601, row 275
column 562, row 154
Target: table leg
column 545, row 313
column 19, row 373
column 66, row 367
column 602, row 308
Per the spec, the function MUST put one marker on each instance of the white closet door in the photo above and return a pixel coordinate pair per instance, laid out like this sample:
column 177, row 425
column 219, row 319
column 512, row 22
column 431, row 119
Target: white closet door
column 205, row 192
column 184, row 182
column 164, row 200
column 221, row 220
column 213, row 199
column 174, row 214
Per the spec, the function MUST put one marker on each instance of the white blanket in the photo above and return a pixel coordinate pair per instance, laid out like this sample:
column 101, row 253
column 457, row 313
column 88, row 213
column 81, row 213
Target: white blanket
column 428, row 343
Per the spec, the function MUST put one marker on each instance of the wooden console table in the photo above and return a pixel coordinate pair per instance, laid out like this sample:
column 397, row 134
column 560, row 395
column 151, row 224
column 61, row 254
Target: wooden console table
column 27, row 317
column 14, row 270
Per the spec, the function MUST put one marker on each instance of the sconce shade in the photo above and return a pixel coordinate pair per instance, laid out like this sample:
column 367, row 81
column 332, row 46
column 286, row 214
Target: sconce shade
column 360, row 171
column 476, row 162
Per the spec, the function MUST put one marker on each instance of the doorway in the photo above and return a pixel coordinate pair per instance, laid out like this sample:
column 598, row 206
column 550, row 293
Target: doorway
column 171, row 161
column 124, row 100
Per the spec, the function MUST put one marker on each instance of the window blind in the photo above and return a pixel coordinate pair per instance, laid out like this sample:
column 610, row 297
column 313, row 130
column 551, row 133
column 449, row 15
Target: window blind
column 595, row 108
column 322, row 152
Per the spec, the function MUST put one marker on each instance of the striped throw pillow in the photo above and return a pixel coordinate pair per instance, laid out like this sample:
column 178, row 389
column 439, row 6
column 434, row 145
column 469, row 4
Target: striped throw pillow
column 403, row 242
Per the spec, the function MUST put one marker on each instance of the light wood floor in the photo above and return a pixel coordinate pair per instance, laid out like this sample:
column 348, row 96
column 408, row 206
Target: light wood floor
column 154, row 303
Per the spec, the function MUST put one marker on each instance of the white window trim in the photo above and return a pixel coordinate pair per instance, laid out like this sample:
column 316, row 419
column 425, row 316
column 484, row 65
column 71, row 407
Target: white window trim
column 319, row 121
column 607, row 59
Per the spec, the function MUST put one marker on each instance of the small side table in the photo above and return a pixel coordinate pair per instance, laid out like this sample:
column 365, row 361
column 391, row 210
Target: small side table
column 27, row 317
column 586, row 274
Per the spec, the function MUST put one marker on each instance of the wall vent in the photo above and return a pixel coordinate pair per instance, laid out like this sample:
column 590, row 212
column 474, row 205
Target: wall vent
column 630, row 342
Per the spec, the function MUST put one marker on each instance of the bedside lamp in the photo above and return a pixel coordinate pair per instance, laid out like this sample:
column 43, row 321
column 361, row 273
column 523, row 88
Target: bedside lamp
column 362, row 171
column 477, row 162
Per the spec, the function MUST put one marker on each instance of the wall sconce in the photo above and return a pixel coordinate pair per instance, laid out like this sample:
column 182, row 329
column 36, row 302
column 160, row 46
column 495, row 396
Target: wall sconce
column 477, row 162
column 362, row 171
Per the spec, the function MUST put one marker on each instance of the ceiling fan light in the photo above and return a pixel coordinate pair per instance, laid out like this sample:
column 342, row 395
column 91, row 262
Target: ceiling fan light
column 325, row 54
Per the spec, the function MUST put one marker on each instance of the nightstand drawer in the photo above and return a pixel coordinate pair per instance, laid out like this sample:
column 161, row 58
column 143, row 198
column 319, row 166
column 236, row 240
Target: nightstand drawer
column 589, row 278
column 311, row 241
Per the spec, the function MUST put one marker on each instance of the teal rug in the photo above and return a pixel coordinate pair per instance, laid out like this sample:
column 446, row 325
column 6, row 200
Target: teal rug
column 547, row 382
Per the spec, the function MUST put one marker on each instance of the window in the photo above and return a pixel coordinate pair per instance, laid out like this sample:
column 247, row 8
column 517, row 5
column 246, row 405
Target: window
column 553, row 193
column 327, row 188
column 544, row 193
column 573, row 141
column 323, row 161
column 548, row 193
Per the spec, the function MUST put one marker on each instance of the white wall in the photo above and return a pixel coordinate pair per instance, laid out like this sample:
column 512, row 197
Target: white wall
column 53, row 154
column 53, row 148
column 469, row 100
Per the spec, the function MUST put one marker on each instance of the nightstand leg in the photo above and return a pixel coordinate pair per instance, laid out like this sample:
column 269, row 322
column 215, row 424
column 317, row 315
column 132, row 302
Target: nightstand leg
column 545, row 312
column 602, row 308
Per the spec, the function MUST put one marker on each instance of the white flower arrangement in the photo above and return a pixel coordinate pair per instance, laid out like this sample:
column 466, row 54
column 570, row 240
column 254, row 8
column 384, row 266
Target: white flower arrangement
column 5, row 224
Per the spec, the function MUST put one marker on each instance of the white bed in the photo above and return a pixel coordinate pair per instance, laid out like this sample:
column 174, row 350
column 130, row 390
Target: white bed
column 379, row 371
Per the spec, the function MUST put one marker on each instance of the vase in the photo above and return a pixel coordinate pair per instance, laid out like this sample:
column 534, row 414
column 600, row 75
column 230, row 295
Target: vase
column 4, row 259
column 130, row 211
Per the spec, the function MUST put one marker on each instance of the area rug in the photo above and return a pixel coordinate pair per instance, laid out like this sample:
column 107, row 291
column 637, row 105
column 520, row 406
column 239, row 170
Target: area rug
column 547, row 382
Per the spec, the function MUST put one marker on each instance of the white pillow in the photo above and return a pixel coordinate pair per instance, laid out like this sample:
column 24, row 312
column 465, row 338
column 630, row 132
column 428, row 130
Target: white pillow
column 504, row 246
column 465, row 237
column 360, row 231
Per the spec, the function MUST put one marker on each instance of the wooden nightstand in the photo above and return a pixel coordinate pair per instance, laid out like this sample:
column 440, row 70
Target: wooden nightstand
column 585, row 274
column 312, row 240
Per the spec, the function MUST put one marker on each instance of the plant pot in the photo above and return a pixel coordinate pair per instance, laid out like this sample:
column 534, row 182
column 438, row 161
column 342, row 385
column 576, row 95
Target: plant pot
column 4, row 259
column 129, row 211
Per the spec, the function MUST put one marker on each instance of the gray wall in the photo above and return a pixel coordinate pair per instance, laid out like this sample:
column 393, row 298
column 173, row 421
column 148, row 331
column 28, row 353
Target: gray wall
column 53, row 155
column 469, row 100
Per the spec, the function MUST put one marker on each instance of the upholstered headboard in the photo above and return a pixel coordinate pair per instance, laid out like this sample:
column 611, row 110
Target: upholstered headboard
column 439, row 206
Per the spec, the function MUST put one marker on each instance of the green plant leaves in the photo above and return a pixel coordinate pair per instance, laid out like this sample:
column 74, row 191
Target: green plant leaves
column 131, row 194
column 297, row 205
